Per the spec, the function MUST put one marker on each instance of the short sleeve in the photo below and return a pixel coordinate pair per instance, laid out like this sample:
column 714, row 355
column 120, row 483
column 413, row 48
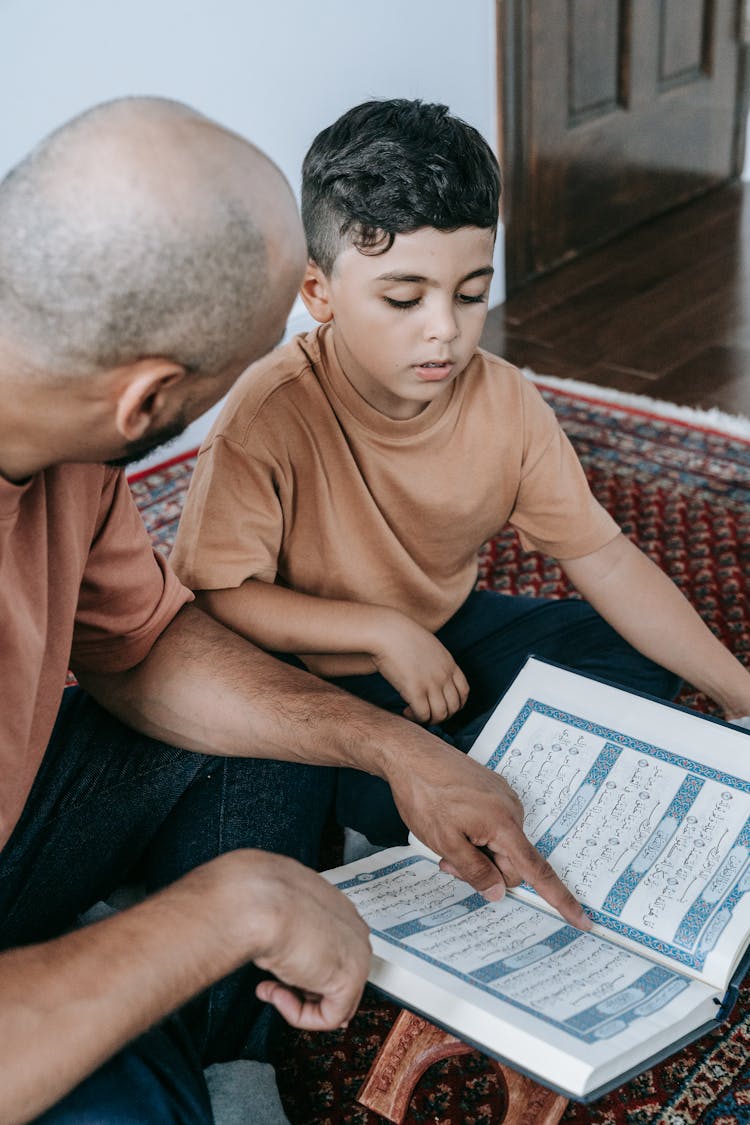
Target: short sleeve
column 555, row 511
column 232, row 525
column 128, row 592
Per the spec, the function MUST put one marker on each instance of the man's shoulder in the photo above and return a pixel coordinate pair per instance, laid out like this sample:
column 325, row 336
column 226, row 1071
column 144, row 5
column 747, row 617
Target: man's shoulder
column 69, row 492
column 79, row 481
column 66, row 505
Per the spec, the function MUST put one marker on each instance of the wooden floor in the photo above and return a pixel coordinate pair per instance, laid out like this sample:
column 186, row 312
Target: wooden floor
column 662, row 311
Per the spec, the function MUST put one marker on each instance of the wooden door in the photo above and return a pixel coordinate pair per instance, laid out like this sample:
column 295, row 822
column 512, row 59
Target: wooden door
column 613, row 112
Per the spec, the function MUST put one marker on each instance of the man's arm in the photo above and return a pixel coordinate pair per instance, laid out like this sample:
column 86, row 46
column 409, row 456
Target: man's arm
column 68, row 1005
column 643, row 604
column 207, row 689
column 380, row 638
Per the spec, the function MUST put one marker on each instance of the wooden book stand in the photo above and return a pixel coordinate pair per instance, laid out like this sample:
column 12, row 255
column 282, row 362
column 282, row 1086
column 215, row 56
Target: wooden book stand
column 413, row 1045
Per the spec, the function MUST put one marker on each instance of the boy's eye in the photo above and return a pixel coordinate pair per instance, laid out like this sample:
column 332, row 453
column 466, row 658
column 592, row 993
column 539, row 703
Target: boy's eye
column 401, row 304
column 461, row 298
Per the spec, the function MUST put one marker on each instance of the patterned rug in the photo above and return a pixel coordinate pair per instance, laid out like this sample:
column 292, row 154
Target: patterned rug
column 682, row 492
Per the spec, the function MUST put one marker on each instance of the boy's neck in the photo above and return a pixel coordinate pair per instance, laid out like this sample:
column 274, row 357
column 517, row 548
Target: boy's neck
column 391, row 407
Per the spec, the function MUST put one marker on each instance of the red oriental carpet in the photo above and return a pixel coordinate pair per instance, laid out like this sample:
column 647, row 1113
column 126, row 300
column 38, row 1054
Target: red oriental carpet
column 682, row 492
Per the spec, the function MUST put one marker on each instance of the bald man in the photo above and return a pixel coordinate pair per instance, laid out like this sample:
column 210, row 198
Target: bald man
column 147, row 256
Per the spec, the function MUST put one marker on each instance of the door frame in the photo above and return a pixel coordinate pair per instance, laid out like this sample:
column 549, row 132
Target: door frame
column 513, row 31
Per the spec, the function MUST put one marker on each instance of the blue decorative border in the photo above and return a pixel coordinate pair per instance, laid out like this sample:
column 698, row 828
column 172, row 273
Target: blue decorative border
column 693, row 941
column 610, row 735
column 594, row 779
column 655, row 988
column 370, row 876
column 672, row 818
column 703, row 907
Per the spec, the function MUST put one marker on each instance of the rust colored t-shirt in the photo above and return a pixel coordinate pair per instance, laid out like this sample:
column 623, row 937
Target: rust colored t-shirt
column 302, row 482
column 80, row 587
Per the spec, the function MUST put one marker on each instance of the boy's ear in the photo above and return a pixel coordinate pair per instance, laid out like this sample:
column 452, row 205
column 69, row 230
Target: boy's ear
column 143, row 394
column 315, row 292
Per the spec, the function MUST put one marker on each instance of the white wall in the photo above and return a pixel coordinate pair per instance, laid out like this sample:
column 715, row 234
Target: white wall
column 277, row 72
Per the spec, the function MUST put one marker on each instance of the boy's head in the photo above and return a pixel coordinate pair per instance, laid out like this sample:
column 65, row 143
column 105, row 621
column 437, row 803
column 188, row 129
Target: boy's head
column 390, row 167
column 400, row 208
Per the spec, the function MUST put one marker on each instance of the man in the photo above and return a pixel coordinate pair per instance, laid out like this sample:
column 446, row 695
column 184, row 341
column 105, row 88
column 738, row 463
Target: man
column 147, row 256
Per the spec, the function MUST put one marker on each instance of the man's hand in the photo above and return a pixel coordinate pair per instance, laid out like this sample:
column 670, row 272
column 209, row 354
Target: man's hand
column 205, row 688
column 472, row 819
column 317, row 947
column 70, row 1004
column 421, row 670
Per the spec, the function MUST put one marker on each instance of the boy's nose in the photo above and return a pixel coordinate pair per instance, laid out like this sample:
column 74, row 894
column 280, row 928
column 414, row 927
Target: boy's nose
column 441, row 323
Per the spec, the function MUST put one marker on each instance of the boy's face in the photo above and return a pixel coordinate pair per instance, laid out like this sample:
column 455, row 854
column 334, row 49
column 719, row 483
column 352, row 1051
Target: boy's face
column 407, row 322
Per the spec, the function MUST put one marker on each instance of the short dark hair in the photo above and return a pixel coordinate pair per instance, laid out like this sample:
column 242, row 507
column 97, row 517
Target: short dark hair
column 390, row 167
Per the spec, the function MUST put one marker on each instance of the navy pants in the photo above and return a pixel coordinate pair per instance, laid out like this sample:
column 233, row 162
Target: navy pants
column 111, row 805
column 490, row 638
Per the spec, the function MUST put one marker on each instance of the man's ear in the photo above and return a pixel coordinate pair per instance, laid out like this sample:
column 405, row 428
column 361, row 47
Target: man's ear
column 142, row 390
column 315, row 292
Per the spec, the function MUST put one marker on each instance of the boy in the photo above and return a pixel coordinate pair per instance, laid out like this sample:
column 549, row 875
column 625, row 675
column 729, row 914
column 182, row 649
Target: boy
column 339, row 503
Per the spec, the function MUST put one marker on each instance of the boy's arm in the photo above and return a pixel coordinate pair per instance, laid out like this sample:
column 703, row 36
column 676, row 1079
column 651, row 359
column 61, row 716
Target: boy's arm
column 646, row 608
column 412, row 660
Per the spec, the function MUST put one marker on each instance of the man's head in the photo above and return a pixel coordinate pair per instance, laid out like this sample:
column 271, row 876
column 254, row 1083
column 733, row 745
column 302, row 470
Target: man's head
column 147, row 255
column 400, row 207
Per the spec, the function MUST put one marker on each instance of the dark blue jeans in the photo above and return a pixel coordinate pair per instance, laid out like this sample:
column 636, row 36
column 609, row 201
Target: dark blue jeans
column 110, row 805
column 490, row 638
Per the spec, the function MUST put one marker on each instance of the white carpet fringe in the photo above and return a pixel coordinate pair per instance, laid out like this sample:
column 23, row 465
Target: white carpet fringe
column 713, row 419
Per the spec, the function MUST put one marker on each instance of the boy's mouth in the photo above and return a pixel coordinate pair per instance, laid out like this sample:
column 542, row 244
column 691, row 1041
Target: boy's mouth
column 433, row 371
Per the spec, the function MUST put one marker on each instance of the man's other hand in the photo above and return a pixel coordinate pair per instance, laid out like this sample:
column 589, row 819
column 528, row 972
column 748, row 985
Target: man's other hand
column 313, row 941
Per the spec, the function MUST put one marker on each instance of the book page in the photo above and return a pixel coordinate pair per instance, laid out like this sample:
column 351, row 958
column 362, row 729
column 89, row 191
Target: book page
column 584, row 986
column 649, row 835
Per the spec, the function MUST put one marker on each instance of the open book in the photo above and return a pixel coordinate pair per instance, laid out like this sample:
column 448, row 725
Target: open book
column 643, row 809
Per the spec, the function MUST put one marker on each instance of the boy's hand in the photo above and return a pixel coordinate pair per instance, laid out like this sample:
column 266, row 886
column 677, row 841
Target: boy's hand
column 421, row 670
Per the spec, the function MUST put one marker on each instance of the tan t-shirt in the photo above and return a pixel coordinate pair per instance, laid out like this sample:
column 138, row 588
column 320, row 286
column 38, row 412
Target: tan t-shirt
column 302, row 482
column 79, row 586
